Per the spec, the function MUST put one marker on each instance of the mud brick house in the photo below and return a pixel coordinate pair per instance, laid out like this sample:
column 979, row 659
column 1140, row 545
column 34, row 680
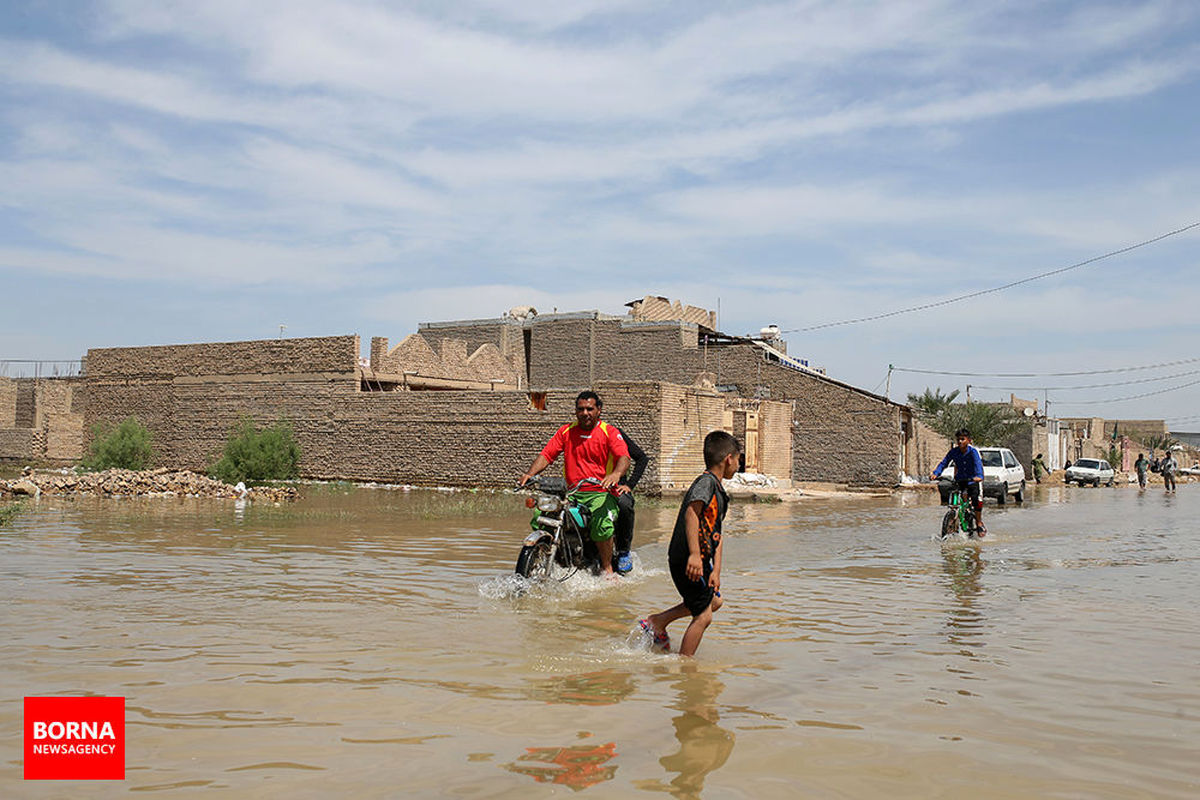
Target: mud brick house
column 41, row 419
column 836, row 432
column 405, row 426
column 470, row 402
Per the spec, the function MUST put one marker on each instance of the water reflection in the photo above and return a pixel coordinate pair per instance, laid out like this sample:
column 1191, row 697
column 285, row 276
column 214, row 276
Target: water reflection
column 704, row 746
column 963, row 565
column 600, row 688
column 577, row 767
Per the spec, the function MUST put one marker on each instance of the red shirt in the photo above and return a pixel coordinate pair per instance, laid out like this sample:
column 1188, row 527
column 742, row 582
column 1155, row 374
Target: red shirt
column 586, row 454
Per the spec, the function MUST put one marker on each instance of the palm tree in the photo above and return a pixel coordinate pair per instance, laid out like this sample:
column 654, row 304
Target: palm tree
column 1160, row 441
column 932, row 403
column 990, row 424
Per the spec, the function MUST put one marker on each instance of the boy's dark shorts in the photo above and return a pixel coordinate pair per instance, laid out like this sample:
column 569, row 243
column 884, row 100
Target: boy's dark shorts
column 973, row 490
column 697, row 595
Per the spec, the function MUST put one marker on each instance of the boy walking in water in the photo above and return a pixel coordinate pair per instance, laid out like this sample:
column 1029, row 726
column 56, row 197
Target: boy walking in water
column 694, row 555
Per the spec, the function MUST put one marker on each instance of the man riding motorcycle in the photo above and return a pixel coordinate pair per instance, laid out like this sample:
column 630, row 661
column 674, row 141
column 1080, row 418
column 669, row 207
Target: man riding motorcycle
column 591, row 449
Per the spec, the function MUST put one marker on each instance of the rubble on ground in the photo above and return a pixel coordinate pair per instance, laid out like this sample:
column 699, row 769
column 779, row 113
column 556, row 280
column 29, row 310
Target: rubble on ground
column 147, row 483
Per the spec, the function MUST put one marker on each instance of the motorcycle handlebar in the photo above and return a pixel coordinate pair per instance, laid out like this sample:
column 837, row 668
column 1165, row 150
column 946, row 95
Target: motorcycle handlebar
column 534, row 483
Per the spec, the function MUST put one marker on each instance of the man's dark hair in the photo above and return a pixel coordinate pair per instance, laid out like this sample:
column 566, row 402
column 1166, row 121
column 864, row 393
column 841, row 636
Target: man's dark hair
column 962, row 432
column 717, row 446
column 590, row 395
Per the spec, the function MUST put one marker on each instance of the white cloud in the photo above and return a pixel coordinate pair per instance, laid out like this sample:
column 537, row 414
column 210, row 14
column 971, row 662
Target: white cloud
column 804, row 161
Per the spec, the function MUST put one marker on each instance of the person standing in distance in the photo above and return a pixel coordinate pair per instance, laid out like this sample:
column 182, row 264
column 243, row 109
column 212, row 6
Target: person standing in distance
column 1141, row 465
column 1168, row 466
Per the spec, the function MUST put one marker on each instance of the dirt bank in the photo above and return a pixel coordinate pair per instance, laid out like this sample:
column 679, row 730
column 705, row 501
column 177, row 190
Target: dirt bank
column 130, row 483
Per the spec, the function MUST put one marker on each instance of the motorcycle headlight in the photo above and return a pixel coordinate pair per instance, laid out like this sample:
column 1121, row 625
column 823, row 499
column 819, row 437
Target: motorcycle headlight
column 547, row 502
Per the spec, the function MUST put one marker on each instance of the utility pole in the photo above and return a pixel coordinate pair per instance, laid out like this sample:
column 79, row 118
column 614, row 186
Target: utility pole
column 887, row 389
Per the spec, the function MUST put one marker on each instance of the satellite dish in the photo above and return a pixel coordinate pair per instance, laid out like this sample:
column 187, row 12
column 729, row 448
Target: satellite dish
column 1028, row 412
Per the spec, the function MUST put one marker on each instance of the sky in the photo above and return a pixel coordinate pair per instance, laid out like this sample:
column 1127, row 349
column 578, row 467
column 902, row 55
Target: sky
column 176, row 172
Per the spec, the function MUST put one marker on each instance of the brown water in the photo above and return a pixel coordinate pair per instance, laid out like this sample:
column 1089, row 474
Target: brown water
column 357, row 644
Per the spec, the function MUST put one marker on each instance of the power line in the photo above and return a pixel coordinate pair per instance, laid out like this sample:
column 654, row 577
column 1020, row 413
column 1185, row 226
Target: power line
column 1131, row 397
column 1085, row 386
column 980, row 293
column 1046, row 374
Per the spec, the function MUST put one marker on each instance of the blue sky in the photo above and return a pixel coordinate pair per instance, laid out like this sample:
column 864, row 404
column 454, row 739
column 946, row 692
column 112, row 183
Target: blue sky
column 181, row 171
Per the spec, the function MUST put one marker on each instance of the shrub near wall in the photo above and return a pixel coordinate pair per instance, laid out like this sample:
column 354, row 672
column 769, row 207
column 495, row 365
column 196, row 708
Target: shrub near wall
column 254, row 456
column 128, row 446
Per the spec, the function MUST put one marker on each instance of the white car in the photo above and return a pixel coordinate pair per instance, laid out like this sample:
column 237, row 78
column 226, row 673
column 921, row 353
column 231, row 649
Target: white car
column 1089, row 470
column 1002, row 475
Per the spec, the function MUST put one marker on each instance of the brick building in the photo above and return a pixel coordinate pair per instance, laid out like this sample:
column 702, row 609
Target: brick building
column 839, row 433
column 470, row 402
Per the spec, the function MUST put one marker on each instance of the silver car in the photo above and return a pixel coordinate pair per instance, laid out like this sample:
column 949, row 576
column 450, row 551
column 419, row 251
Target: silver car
column 1090, row 470
column 1003, row 475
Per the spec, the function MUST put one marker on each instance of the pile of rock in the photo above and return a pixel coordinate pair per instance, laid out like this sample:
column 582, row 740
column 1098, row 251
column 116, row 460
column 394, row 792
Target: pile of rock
column 150, row 483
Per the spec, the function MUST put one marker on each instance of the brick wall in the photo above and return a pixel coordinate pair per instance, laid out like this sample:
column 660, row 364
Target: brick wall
column 508, row 335
column 8, row 403
column 446, row 358
column 25, row 405
column 460, row 438
column 58, row 418
column 839, row 433
column 41, row 419
column 687, row 416
column 267, row 356
column 816, row 428
column 775, row 440
column 16, row 444
column 926, row 450
column 561, row 354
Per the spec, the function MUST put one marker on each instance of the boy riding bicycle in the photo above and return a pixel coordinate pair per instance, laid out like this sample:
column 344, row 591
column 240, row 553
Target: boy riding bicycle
column 968, row 474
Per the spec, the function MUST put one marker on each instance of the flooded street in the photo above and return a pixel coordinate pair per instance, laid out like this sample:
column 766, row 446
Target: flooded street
column 373, row 643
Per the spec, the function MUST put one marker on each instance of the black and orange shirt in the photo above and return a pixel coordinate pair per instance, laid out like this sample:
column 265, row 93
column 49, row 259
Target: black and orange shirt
column 708, row 490
column 586, row 454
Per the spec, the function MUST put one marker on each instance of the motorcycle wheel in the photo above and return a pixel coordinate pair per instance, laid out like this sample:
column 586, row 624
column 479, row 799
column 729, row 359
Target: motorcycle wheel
column 950, row 523
column 534, row 562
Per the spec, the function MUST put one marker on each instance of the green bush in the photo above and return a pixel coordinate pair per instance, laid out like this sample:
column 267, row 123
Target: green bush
column 1114, row 457
column 128, row 446
column 7, row 512
column 253, row 456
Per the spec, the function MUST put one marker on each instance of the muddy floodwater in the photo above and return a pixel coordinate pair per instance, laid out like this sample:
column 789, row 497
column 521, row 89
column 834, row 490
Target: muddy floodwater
column 374, row 643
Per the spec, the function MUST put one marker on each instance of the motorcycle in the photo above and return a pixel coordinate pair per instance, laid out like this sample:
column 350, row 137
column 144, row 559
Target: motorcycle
column 559, row 531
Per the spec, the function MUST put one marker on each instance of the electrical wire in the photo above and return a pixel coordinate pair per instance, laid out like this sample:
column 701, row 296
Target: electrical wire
column 1131, row 397
column 981, row 292
column 1086, row 386
column 1046, row 374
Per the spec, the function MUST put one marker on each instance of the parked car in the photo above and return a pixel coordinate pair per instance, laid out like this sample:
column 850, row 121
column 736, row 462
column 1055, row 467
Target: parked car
column 1089, row 470
column 1002, row 475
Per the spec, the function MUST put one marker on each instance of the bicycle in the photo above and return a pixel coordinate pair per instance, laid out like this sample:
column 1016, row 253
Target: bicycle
column 960, row 517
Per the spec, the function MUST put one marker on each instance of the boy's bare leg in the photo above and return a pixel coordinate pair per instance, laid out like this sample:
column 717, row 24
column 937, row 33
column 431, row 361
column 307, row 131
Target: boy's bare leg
column 695, row 632
column 660, row 621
